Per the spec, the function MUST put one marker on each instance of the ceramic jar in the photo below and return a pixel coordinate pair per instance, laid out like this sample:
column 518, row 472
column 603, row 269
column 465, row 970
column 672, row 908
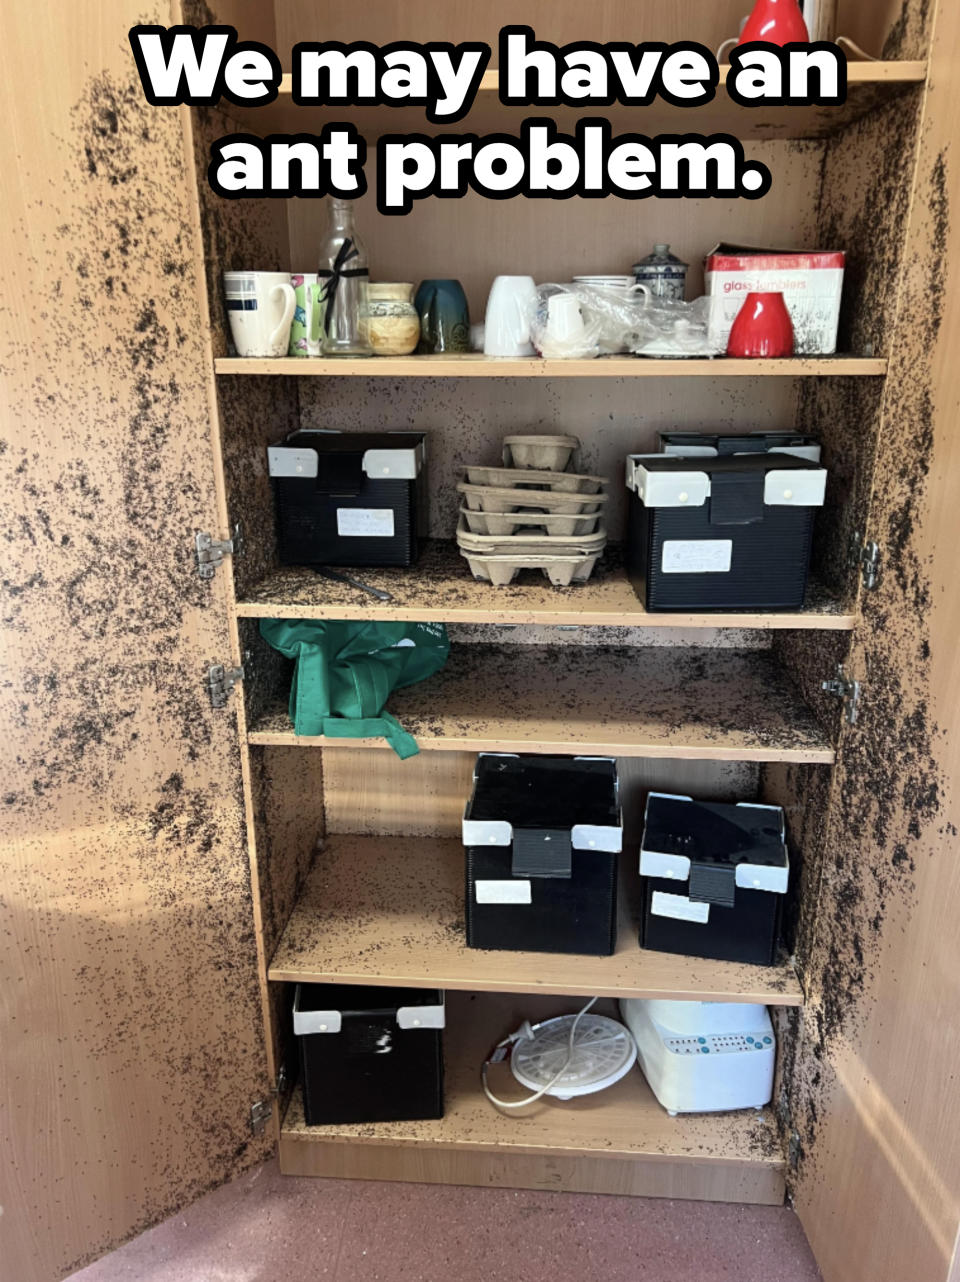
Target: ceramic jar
column 444, row 317
column 394, row 322
column 664, row 275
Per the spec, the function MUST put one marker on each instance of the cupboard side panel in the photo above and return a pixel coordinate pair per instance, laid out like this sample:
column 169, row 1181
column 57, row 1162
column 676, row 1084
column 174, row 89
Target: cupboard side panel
column 288, row 815
column 132, row 1044
column 863, row 210
column 887, row 28
column 286, row 791
column 878, row 1181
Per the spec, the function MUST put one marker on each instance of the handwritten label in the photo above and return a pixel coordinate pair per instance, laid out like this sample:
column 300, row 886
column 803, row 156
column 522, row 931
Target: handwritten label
column 697, row 556
column 365, row 522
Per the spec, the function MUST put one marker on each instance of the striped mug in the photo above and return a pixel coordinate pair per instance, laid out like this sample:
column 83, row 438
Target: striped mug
column 260, row 308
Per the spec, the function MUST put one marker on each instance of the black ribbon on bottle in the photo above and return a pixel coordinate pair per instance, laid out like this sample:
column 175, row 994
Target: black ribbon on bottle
column 333, row 277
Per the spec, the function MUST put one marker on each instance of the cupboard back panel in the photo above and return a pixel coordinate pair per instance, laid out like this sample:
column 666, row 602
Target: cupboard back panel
column 467, row 420
column 133, row 1041
column 475, row 239
column 895, row 28
column 377, row 794
column 457, row 20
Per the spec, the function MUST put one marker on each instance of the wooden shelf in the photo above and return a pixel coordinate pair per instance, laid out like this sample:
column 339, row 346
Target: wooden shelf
column 870, row 85
column 476, row 365
column 721, row 705
column 618, row 1141
column 389, row 911
column 441, row 589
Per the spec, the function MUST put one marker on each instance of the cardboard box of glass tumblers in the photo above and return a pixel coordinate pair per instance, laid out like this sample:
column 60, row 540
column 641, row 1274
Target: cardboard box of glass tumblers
column 811, row 284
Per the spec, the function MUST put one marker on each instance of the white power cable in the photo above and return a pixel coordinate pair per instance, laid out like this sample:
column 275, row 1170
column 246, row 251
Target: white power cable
column 839, row 40
column 525, row 1031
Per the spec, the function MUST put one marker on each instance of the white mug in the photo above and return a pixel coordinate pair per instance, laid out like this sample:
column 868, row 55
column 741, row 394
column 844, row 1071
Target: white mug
column 260, row 307
column 510, row 311
column 564, row 321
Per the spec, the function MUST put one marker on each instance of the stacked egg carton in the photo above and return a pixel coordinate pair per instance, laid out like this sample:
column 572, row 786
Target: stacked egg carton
column 532, row 514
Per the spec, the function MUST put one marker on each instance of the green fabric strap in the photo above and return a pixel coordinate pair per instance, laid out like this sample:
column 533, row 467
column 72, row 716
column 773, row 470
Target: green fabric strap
column 383, row 727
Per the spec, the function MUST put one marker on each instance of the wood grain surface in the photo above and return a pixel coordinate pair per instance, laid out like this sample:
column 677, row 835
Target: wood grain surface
column 389, row 911
column 602, row 1132
column 691, row 703
column 878, row 1187
column 441, row 589
column 132, row 1035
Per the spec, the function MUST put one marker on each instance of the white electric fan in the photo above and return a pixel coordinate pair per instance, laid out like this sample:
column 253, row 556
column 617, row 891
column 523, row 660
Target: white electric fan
column 565, row 1057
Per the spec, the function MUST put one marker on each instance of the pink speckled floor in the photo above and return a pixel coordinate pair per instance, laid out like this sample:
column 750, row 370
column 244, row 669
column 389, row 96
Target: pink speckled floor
column 267, row 1228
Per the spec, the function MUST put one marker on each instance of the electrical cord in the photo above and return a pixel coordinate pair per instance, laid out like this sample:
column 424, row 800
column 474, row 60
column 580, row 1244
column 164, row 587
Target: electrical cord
column 839, row 40
column 525, row 1032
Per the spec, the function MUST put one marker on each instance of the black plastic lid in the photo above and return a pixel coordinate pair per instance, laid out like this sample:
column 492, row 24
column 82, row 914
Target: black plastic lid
column 354, row 442
column 741, row 463
column 361, row 999
column 545, row 792
column 747, row 443
column 714, row 833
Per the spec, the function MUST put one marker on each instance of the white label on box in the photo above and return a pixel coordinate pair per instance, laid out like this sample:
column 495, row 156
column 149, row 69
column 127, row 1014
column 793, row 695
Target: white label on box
column 679, row 907
column 365, row 522
column 697, row 556
column 503, row 892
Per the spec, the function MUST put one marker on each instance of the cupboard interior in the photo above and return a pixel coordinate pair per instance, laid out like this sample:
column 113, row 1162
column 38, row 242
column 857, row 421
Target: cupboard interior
column 849, row 191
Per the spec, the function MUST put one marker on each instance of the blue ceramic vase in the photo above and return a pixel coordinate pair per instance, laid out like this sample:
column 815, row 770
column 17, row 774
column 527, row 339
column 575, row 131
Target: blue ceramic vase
column 444, row 317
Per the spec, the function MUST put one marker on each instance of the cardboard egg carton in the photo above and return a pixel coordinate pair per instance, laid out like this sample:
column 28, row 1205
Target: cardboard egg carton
column 548, row 453
column 506, row 523
column 562, row 571
column 500, row 499
column 530, row 478
column 532, row 542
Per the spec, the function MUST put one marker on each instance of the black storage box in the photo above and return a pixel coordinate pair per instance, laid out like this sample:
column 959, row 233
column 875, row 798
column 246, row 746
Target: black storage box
column 369, row 1054
column 542, row 837
column 713, row 445
column 349, row 498
column 714, row 877
column 721, row 533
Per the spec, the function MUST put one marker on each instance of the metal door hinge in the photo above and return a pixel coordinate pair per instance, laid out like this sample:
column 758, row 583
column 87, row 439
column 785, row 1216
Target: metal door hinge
column 261, row 1109
column 843, row 687
column 211, row 551
column 220, row 681
column 866, row 558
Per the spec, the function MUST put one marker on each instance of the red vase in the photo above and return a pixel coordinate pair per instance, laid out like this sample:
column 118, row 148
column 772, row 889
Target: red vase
column 776, row 22
column 762, row 328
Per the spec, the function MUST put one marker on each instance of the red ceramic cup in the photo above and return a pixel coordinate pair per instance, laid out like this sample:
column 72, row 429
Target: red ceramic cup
column 777, row 22
column 762, row 328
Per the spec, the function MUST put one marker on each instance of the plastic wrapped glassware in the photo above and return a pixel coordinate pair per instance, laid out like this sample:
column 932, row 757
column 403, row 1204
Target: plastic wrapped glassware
column 617, row 320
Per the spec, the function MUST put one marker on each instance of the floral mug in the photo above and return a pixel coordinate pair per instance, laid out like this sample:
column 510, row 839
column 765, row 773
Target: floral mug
column 305, row 330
